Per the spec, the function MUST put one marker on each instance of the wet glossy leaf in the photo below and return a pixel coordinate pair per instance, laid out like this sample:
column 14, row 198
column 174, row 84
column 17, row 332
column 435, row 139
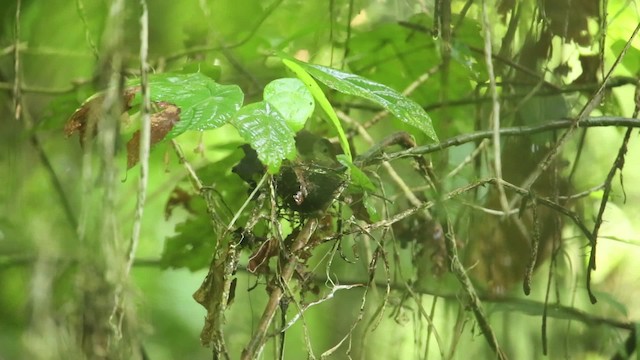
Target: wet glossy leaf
column 292, row 99
column 265, row 129
column 405, row 109
column 204, row 104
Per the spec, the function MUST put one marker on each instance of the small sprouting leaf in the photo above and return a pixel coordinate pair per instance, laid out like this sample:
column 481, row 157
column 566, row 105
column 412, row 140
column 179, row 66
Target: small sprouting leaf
column 405, row 109
column 267, row 132
column 161, row 124
column 204, row 104
column 358, row 177
column 317, row 93
column 292, row 99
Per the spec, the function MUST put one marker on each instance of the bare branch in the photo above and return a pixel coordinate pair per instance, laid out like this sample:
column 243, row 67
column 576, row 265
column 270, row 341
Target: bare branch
column 602, row 121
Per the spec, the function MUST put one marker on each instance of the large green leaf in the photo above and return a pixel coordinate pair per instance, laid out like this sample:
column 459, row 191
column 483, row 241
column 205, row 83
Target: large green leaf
column 204, row 104
column 405, row 109
column 292, row 99
column 266, row 130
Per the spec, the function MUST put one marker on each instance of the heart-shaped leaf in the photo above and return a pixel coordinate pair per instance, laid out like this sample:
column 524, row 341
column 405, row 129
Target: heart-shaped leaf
column 292, row 99
column 203, row 103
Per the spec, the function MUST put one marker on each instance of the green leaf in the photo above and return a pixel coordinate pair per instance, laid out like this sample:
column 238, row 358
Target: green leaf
column 204, row 104
column 317, row 93
column 266, row 130
column 358, row 177
column 405, row 109
column 292, row 99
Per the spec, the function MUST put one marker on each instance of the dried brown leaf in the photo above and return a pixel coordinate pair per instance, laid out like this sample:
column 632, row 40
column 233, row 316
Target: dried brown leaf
column 89, row 112
column 260, row 258
column 161, row 123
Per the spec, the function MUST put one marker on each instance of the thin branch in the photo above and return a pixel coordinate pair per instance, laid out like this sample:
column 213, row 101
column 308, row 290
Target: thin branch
column 464, row 189
column 145, row 145
column 535, row 244
column 17, row 66
column 552, row 205
column 603, row 121
column 195, row 180
column 581, row 194
column 618, row 164
column 432, row 328
column 460, row 273
column 495, row 111
column 145, row 132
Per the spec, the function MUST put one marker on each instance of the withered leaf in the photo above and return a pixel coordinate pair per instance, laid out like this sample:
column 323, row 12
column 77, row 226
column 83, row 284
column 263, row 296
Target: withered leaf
column 215, row 294
column 161, row 123
column 89, row 112
column 260, row 258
